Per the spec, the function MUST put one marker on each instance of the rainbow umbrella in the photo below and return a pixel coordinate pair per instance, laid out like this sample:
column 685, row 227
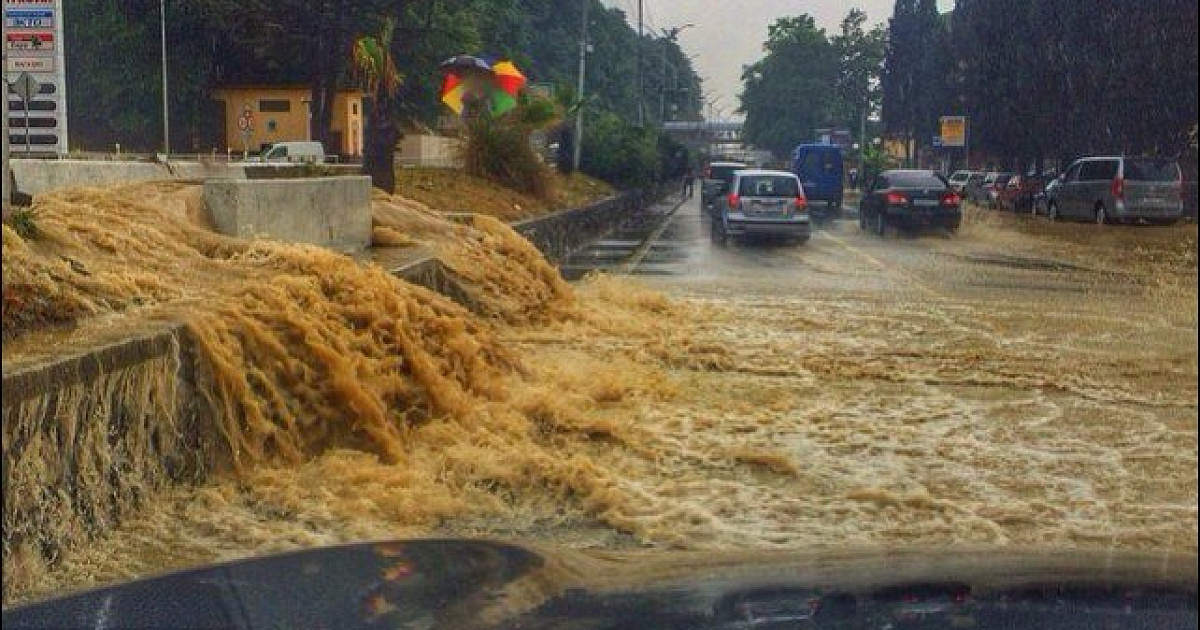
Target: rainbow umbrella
column 508, row 83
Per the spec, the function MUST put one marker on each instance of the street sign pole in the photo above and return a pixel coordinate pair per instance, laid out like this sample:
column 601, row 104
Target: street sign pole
column 162, row 17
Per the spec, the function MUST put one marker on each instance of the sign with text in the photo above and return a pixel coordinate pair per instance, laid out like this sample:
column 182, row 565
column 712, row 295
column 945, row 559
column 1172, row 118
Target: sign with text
column 954, row 131
column 33, row 46
column 42, row 40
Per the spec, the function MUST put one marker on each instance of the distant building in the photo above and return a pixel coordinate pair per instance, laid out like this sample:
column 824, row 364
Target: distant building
column 279, row 113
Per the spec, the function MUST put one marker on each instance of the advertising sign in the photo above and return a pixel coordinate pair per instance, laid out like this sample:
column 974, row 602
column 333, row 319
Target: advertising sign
column 33, row 45
column 954, row 131
column 38, row 41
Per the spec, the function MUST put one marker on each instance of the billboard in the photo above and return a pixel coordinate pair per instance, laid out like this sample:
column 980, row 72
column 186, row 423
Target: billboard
column 33, row 48
column 954, row 131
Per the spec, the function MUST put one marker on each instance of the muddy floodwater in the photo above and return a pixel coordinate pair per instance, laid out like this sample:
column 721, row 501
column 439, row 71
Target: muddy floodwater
column 1020, row 384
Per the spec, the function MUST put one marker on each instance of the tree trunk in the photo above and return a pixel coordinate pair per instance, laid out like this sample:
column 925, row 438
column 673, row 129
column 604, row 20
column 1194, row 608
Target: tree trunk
column 380, row 146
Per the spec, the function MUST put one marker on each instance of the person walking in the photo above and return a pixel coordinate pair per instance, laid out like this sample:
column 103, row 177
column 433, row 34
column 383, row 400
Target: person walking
column 689, row 183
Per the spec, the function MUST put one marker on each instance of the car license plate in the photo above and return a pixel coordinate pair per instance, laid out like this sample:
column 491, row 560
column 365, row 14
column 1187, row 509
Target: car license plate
column 925, row 203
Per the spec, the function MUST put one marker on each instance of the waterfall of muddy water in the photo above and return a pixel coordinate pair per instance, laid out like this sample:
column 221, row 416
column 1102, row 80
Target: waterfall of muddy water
column 620, row 418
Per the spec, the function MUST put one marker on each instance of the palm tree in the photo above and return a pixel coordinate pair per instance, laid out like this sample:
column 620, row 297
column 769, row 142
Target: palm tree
column 375, row 70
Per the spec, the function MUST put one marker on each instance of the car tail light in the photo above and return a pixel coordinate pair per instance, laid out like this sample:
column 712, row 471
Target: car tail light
column 896, row 199
column 951, row 199
column 801, row 202
column 1118, row 187
column 735, row 202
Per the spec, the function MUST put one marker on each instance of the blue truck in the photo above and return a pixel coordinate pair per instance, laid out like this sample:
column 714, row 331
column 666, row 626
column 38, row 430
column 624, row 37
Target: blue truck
column 820, row 169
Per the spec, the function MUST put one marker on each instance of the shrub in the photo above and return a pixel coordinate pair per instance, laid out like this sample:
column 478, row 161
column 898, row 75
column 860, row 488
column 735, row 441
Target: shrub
column 499, row 149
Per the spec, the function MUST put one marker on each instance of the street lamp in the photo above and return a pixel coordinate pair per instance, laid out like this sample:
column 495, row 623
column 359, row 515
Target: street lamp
column 162, row 25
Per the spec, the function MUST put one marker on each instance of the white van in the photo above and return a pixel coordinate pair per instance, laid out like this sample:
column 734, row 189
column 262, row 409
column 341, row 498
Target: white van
column 312, row 152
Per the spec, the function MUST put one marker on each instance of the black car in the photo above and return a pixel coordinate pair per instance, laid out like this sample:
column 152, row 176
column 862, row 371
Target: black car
column 911, row 199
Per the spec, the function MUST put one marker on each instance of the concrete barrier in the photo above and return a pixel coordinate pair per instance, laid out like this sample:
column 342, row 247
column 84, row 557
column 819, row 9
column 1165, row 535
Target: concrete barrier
column 332, row 212
column 88, row 436
column 38, row 177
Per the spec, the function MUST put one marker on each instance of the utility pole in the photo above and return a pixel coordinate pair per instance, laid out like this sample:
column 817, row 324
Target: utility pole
column 862, row 143
column 640, row 104
column 577, row 145
column 162, row 25
column 8, row 187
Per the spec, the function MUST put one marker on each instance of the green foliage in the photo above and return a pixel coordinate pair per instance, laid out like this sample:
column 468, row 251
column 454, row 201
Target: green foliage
column 22, row 222
column 917, row 67
column 790, row 92
column 860, row 59
column 618, row 152
column 499, row 148
column 113, row 58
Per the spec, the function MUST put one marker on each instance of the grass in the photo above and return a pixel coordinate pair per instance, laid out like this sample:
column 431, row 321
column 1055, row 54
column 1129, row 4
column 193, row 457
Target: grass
column 452, row 190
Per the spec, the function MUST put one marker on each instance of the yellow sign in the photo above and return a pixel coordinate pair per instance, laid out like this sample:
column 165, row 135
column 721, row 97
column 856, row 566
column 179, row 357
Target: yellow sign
column 954, row 131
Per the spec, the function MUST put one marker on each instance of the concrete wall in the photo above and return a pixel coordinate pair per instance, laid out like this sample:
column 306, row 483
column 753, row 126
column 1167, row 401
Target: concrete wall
column 333, row 212
column 427, row 150
column 38, row 177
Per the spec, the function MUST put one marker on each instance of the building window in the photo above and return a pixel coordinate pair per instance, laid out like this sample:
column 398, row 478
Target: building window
column 354, row 108
column 274, row 105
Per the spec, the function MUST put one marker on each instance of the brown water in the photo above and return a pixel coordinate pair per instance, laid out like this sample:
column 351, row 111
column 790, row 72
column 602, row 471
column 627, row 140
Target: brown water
column 610, row 415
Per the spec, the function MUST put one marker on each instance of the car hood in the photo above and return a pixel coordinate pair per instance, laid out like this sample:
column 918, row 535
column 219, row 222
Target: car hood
column 479, row 584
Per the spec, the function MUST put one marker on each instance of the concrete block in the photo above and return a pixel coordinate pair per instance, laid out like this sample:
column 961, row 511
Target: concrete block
column 333, row 212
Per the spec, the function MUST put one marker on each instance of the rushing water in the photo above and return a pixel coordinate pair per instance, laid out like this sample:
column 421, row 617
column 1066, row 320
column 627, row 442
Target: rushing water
column 611, row 415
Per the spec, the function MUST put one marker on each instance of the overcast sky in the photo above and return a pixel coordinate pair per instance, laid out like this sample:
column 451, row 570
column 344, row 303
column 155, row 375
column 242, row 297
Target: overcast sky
column 728, row 34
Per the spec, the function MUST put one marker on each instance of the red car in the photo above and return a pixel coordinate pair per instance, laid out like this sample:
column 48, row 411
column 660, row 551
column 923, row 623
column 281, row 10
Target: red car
column 1017, row 195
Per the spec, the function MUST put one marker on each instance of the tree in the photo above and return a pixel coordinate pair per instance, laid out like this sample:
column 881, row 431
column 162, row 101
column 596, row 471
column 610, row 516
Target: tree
column 790, row 92
column 916, row 64
column 860, row 61
column 376, row 72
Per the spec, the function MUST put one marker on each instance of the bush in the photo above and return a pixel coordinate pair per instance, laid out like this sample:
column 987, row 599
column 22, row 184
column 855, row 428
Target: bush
column 499, row 149
column 618, row 152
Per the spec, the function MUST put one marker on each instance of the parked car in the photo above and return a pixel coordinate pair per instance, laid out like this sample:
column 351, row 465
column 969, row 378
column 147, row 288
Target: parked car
column 960, row 179
column 1119, row 189
column 762, row 202
column 987, row 194
column 909, row 198
column 717, row 178
column 820, row 169
column 1018, row 194
column 294, row 152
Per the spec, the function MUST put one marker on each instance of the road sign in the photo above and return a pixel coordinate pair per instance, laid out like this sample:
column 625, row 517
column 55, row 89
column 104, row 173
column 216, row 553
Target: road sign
column 29, row 41
column 26, row 87
column 30, row 64
column 33, row 45
column 954, row 131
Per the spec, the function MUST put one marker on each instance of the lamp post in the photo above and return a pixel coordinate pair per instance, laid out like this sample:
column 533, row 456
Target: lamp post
column 577, row 144
column 669, row 37
column 162, row 25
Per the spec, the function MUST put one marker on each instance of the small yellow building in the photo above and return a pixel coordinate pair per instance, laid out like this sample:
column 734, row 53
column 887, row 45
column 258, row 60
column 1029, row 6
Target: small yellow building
column 260, row 115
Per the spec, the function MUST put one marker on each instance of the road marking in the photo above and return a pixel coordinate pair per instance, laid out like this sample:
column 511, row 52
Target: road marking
column 891, row 269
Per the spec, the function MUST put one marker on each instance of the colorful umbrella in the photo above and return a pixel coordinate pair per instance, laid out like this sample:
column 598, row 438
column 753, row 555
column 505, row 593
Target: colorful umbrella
column 468, row 76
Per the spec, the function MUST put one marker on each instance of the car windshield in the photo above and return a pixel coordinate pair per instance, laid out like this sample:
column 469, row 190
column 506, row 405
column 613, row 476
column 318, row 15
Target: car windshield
column 612, row 284
column 1152, row 170
column 768, row 186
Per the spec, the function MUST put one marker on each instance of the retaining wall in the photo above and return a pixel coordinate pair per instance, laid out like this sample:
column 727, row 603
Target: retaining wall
column 38, row 177
column 87, row 436
column 333, row 212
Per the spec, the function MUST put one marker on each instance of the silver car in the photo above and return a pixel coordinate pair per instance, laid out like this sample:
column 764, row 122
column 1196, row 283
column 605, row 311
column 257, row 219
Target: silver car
column 1119, row 189
column 762, row 202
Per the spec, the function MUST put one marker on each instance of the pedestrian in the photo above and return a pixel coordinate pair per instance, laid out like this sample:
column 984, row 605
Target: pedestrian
column 853, row 179
column 689, row 183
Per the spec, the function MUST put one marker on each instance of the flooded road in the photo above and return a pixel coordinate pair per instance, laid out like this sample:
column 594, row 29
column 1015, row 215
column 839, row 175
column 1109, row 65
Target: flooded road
column 1021, row 384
